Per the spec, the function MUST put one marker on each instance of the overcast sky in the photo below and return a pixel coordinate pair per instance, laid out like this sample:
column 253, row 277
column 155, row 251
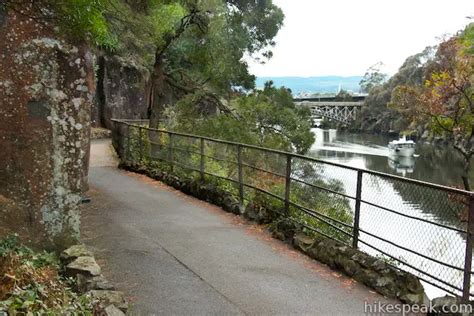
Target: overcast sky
column 345, row 37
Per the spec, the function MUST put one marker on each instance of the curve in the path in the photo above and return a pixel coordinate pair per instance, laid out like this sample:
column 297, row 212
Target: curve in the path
column 175, row 255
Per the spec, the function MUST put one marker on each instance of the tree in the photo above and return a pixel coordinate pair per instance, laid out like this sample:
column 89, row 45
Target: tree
column 78, row 20
column 375, row 115
column 266, row 118
column 190, row 46
column 373, row 77
column 203, row 52
column 446, row 100
column 467, row 39
column 344, row 96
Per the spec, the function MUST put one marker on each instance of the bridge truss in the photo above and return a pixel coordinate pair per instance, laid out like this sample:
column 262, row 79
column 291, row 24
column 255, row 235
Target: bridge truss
column 343, row 112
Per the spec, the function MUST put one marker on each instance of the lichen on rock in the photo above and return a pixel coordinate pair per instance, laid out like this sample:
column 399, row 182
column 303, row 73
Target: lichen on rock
column 46, row 102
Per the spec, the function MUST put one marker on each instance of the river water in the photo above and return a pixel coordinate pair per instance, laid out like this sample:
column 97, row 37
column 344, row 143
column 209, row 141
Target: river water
column 436, row 164
column 441, row 165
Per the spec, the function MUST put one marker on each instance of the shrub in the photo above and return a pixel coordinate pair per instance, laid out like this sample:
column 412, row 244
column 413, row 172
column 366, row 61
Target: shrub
column 30, row 283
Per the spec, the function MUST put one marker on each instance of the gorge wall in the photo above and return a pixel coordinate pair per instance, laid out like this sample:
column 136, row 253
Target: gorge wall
column 122, row 91
column 46, row 89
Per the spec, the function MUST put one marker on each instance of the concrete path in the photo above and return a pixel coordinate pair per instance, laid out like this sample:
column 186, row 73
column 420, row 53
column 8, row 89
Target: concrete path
column 173, row 254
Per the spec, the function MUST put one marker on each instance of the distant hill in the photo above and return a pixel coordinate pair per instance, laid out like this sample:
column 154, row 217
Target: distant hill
column 309, row 85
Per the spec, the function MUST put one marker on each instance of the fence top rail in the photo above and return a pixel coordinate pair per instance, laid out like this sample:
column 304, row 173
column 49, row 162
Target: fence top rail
column 285, row 153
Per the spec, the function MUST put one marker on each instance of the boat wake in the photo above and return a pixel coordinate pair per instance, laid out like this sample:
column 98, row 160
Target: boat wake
column 357, row 149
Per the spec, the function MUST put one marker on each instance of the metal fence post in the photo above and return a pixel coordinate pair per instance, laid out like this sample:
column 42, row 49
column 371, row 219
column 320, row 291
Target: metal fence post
column 140, row 143
column 121, row 139
column 170, row 152
column 468, row 257
column 128, row 143
column 241, row 176
column 355, row 232
column 287, row 184
column 201, row 167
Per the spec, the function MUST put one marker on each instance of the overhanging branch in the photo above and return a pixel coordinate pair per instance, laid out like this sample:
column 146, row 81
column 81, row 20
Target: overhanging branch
column 210, row 96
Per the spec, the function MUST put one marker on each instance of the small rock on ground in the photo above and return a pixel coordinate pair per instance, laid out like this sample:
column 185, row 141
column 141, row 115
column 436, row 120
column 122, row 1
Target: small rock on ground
column 86, row 283
column 83, row 265
column 112, row 310
column 116, row 298
column 74, row 252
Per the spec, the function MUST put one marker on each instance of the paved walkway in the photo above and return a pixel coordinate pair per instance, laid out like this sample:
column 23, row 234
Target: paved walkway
column 173, row 254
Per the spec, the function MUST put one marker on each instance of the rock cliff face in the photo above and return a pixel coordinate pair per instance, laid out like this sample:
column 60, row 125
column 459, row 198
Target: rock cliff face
column 121, row 91
column 46, row 89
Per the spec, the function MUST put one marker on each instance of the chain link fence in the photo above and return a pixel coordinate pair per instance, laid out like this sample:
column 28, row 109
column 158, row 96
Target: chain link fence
column 415, row 226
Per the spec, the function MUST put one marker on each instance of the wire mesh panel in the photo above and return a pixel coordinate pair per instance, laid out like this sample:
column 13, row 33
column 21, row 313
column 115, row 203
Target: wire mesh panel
column 221, row 159
column 144, row 135
column 330, row 192
column 185, row 151
column 264, row 170
column 419, row 226
column 133, row 143
column 328, row 176
column 415, row 226
column 159, row 143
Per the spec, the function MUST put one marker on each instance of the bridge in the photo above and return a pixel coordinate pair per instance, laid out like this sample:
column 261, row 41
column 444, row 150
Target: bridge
column 339, row 111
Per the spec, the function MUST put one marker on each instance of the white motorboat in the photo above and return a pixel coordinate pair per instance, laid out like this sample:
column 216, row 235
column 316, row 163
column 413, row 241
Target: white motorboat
column 401, row 147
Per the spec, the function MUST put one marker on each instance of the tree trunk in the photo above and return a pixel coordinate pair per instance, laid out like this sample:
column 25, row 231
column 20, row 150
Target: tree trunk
column 160, row 96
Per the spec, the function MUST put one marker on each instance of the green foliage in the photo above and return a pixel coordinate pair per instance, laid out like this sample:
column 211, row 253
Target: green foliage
column 29, row 299
column 257, row 21
column 391, row 261
column 200, row 44
column 215, row 61
column 212, row 50
column 31, row 285
column 435, row 65
column 86, row 19
column 343, row 96
column 164, row 19
column 220, row 159
column 200, row 40
column 267, row 118
column 467, row 38
column 10, row 244
column 376, row 115
column 373, row 77
column 78, row 20
column 445, row 102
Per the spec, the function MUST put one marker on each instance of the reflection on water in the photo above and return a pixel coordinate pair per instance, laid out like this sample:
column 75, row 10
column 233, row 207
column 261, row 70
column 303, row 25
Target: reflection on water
column 401, row 165
column 434, row 164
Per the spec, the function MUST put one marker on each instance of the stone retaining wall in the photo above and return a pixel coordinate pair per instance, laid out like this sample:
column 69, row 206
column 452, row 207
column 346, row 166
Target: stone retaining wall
column 79, row 263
